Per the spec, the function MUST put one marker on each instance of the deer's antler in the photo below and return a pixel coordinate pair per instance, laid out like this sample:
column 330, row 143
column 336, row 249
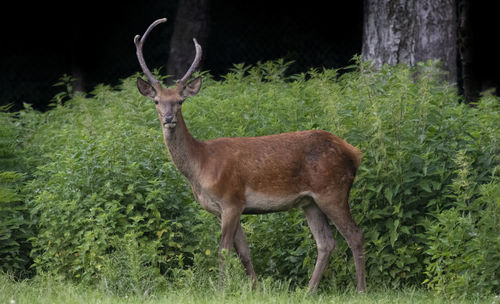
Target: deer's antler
column 194, row 65
column 138, row 45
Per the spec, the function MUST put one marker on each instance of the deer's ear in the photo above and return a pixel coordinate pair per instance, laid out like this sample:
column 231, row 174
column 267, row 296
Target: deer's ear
column 192, row 88
column 145, row 88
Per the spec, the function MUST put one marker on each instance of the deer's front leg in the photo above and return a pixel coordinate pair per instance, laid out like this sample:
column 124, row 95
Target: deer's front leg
column 230, row 221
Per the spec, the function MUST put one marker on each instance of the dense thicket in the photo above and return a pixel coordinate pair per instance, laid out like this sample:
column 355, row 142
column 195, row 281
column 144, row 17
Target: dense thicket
column 14, row 231
column 107, row 205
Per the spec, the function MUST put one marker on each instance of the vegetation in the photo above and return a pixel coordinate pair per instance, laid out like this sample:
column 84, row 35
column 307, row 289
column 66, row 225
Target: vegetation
column 14, row 231
column 97, row 201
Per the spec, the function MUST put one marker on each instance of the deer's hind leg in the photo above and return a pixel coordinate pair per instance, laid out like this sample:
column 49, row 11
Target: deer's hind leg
column 241, row 246
column 318, row 223
column 336, row 207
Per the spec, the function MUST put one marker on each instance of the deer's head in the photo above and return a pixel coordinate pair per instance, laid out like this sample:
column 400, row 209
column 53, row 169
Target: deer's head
column 168, row 101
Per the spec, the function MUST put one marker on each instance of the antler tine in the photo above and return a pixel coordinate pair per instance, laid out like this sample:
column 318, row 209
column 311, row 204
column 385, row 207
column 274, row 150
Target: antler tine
column 140, row 57
column 195, row 63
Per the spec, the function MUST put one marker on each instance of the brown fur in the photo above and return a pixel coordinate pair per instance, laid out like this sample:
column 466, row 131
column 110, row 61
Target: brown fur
column 292, row 162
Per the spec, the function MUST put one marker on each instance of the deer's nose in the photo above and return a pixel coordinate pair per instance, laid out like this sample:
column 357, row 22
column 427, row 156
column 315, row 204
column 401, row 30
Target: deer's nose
column 169, row 118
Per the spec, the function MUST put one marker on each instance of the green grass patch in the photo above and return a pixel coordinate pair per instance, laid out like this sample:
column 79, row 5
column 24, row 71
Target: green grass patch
column 44, row 289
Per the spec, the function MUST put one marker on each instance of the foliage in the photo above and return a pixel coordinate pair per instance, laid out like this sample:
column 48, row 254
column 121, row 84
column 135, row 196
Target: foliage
column 464, row 241
column 103, row 193
column 9, row 149
column 102, row 173
column 14, row 231
column 464, row 244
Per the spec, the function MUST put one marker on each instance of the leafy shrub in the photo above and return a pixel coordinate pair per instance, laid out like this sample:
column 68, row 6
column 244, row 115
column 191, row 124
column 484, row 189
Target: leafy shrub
column 14, row 230
column 465, row 247
column 14, row 227
column 9, row 149
column 102, row 173
column 464, row 240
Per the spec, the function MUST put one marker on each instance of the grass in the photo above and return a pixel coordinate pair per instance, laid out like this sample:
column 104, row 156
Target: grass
column 43, row 289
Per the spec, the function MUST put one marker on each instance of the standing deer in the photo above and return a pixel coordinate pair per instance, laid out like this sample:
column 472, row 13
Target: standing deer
column 313, row 170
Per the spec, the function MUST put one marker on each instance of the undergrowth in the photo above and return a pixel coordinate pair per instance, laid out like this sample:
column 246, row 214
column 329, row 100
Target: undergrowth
column 108, row 208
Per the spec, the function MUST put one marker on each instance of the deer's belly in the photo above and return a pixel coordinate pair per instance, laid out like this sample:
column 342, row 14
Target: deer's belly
column 257, row 202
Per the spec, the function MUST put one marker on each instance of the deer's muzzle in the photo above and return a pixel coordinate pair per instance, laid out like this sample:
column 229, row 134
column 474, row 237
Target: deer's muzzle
column 169, row 121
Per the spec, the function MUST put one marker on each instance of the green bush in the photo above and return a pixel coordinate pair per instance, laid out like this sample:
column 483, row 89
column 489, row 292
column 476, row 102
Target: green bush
column 464, row 241
column 464, row 245
column 14, row 226
column 100, row 172
column 103, row 173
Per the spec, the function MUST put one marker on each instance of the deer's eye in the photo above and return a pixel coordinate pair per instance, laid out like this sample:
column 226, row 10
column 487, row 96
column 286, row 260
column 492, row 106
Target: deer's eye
column 156, row 102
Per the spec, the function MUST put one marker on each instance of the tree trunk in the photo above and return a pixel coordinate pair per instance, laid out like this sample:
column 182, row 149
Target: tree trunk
column 411, row 31
column 191, row 21
column 78, row 76
column 469, row 77
column 77, row 54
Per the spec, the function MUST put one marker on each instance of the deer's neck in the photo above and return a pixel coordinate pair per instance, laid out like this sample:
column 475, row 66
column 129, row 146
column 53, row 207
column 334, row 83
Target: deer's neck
column 184, row 149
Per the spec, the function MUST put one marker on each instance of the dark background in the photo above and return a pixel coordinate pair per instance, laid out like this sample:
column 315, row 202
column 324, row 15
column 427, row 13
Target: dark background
column 41, row 41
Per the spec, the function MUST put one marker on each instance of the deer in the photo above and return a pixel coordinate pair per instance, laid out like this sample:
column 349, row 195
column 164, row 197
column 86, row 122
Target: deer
column 313, row 170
